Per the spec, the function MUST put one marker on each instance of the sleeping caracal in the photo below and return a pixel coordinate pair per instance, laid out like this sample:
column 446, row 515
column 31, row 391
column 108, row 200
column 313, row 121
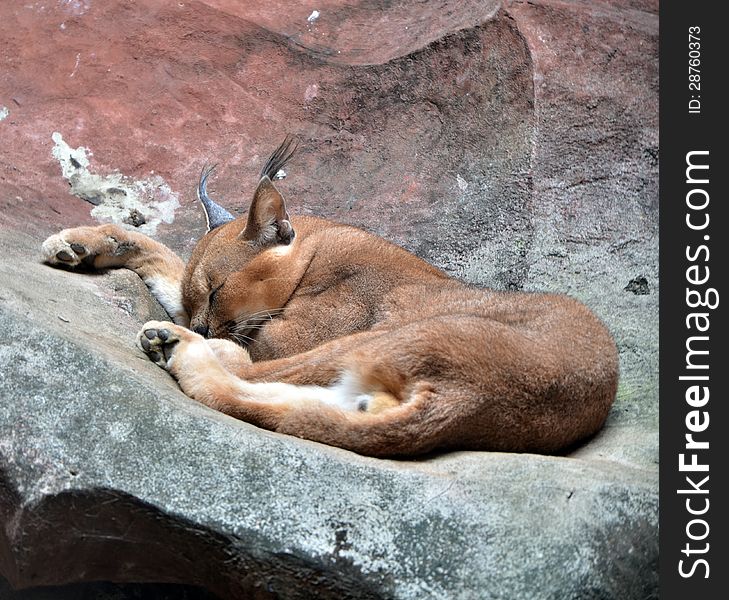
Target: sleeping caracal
column 326, row 332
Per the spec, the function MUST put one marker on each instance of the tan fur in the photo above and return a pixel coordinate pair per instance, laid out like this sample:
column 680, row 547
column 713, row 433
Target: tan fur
column 359, row 344
column 110, row 246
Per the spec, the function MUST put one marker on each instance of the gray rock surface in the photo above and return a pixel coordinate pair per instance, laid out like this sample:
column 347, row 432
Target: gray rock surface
column 109, row 472
column 515, row 148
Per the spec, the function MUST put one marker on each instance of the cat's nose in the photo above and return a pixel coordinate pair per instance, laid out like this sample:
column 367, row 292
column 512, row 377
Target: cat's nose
column 202, row 330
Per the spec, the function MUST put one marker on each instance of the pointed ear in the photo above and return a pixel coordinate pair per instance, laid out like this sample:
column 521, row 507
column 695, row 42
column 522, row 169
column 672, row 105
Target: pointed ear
column 215, row 215
column 268, row 221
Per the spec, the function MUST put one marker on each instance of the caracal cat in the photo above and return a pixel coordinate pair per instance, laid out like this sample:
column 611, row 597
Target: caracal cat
column 323, row 331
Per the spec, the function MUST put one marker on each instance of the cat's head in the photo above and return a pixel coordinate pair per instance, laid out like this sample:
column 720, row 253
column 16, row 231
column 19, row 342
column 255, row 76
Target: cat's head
column 239, row 275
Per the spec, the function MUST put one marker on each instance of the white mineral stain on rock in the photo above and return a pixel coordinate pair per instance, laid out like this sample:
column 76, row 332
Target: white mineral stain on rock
column 75, row 66
column 312, row 91
column 70, row 159
column 75, row 7
column 116, row 196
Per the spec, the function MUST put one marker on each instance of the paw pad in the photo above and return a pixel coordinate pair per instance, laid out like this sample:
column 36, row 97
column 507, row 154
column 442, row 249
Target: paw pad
column 158, row 343
column 58, row 251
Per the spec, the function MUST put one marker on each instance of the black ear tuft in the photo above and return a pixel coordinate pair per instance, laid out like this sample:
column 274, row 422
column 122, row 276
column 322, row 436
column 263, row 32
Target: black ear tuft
column 268, row 222
column 280, row 157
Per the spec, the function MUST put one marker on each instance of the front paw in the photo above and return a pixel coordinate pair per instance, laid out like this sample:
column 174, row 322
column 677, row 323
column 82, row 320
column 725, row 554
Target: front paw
column 160, row 341
column 233, row 357
column 188, row 358
column 65, row 249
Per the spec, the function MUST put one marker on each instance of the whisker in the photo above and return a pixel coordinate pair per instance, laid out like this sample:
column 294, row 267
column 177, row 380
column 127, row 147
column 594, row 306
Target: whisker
column 242, row 329
column 241, row 338
column 267, row 313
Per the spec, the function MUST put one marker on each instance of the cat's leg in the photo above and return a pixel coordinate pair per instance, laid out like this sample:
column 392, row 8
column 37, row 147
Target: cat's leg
column 111, row 246
column 346, row 414
column 231, row 355
column 192, row 360
column 456, row 381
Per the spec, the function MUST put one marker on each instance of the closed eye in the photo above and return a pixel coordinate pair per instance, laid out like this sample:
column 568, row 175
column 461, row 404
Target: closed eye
column 214, row 293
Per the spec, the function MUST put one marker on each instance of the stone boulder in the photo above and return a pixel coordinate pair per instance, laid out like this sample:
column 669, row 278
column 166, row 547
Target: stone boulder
column 514, row 145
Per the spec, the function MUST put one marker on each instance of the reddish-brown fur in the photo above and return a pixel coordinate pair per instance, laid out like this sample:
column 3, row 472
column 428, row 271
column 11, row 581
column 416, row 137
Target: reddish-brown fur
column 442, row 364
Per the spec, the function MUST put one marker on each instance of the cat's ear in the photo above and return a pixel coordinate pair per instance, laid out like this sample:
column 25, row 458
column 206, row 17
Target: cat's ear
column 215, row 215
column 268, row 221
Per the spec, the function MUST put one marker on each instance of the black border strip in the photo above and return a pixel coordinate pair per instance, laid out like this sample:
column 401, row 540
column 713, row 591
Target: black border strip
column 682, row 132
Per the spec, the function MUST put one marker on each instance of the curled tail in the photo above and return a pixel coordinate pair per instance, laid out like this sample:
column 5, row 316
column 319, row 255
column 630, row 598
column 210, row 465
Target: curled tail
column 407, row 429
